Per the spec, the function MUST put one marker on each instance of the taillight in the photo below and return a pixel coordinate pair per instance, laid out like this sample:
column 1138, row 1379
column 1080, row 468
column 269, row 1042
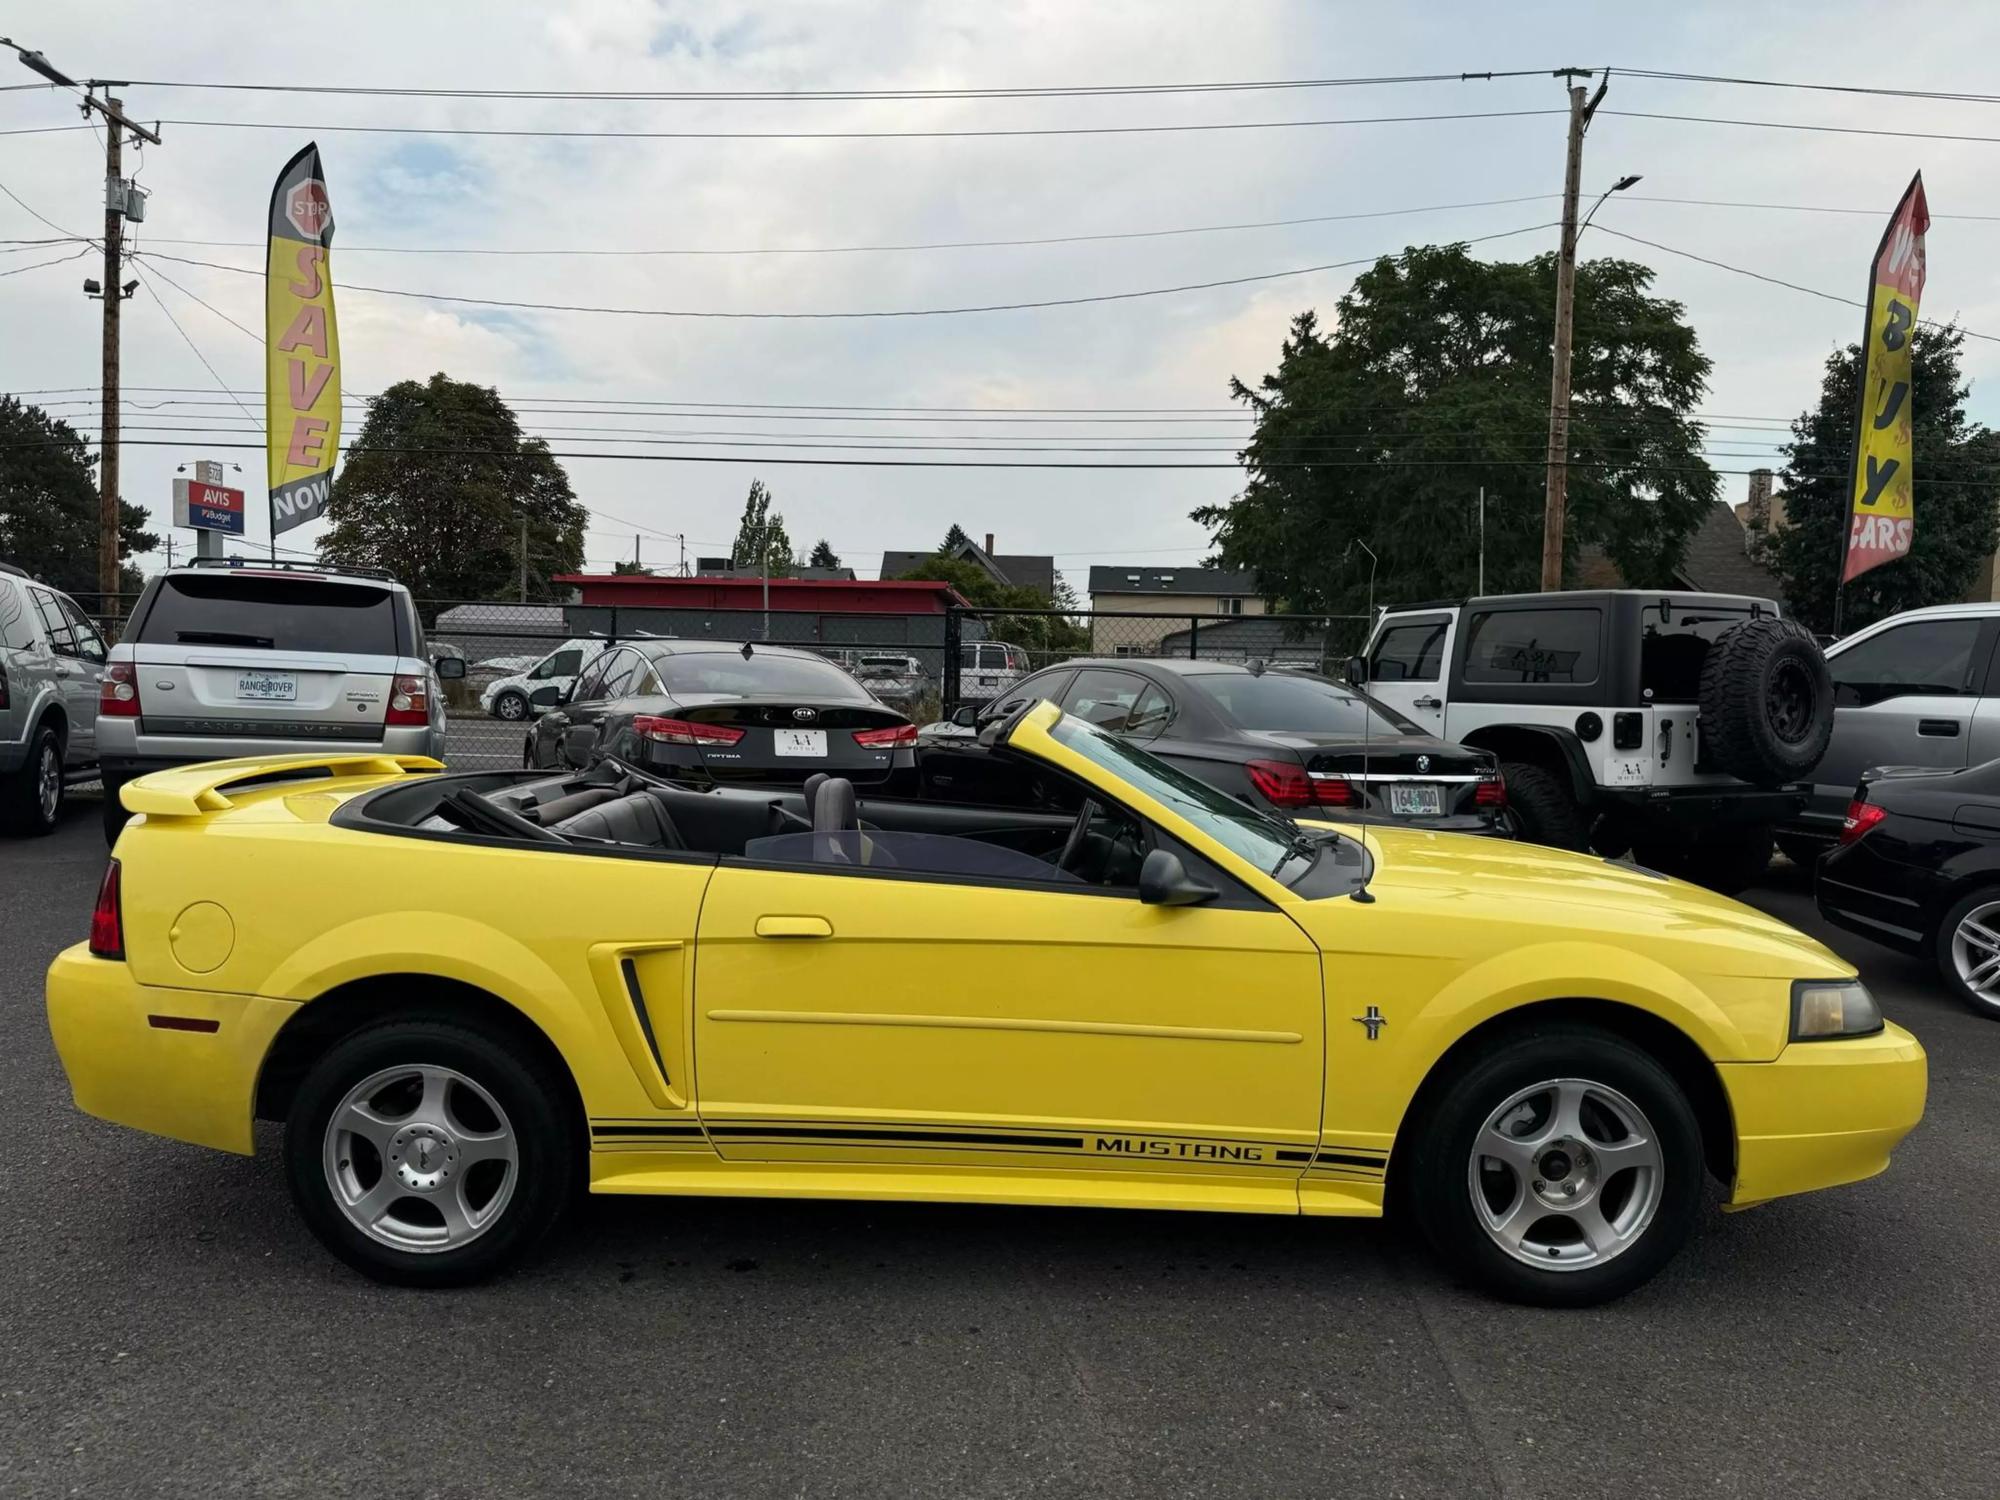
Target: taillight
column 1335, row 791
column 409, row 701
column 1283, row 783
column 118, row 691
column 107, row 922
column 1861, row 816
column 894, row 734
column 1491, row 792
column 681, row 732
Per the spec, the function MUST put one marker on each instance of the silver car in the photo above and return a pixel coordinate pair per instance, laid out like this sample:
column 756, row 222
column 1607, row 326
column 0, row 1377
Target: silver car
column 1916, row 689
column 50, row 655
column 234, row 658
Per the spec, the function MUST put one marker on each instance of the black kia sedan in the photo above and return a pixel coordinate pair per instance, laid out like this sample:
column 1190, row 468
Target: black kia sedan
column 715, row 711
column 1918, row 868
column 1273, row 736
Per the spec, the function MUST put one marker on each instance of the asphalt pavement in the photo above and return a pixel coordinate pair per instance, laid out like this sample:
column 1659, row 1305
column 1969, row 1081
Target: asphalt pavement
column 169, row 1328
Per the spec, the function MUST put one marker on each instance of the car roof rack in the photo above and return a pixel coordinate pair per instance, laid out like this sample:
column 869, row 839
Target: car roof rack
column 263, row 565
column 7, row 567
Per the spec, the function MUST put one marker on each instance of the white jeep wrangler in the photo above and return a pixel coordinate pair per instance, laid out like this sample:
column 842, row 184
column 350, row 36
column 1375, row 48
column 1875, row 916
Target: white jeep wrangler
column 1676, row 726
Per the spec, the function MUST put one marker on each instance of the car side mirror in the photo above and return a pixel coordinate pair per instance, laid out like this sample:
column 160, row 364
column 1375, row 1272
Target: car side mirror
column 450, row 668
column 1164, row 881
column 966, row 716
column 548, row 697
column 1357, row 670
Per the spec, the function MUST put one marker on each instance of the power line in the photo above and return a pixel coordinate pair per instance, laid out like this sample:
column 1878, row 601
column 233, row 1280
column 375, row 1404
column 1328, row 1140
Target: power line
column 210, row 306
column 1723, row 265
column 832, row 135
column 908, row 312
column 196, row 348
column 1040, row 91
column 38, row 265
column 1904, row 135
column 1826, row 88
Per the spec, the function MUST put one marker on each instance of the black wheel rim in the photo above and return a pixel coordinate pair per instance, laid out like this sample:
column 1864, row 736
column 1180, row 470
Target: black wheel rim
column 1788, row 702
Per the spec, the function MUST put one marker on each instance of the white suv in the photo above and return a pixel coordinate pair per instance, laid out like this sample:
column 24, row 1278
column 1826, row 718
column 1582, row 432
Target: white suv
column 236, row 657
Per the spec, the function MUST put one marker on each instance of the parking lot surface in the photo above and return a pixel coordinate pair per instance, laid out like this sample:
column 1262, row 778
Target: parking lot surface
column 168, row 1327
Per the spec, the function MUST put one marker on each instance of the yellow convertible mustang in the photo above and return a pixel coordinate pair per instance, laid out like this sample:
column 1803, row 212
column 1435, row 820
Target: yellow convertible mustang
column 467, row 995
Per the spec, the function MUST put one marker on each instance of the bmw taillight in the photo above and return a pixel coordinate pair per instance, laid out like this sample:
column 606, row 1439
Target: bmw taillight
column 1861, row 816
column 107, row 922
column 409, row 701
column 882, row 739
column 1491, row 791
column 118, row 691
column 1287, row 784
column 1334, row 791
column 680, row 732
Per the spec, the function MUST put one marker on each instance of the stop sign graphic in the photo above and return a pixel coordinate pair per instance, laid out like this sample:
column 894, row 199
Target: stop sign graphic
column 308, row 209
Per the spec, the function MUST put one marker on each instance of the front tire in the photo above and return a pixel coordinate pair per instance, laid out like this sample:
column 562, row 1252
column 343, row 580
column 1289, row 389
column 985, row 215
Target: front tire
column 1561, row 1168
column 426, row 1153
column 31, row 798
column 511, row 706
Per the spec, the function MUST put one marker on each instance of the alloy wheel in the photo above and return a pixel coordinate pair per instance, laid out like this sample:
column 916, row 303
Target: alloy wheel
column 1975, row 951
column 421, row 1158
column 1566, row 1174
column 48, row 783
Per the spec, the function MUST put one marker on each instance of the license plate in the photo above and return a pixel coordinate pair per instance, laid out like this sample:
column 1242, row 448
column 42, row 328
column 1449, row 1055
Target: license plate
column 267, row 687
column 800, row 741
column 1416, row 801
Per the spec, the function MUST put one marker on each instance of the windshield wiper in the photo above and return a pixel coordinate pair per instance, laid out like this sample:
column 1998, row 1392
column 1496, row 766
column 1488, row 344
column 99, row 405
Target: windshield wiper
column 222, row 638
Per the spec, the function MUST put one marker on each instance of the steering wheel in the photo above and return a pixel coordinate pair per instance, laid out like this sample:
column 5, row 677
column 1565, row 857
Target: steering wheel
column 1073, row 845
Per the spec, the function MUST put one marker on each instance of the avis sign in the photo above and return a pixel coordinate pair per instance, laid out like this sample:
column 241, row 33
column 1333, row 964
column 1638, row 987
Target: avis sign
column 1882, row 511
column 301, row 346
column 208, row 507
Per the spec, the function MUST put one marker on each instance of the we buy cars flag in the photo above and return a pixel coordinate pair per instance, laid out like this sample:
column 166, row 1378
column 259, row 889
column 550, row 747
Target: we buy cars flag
column 301, row 346
column 1882, row 515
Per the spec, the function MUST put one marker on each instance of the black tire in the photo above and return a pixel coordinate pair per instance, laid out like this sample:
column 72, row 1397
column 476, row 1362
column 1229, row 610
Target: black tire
column 25, row 800
column 531, row 1100
column 1728, row 860
column 1766, row 702
column 115, row 816
column 511, row 706
column 1540, row 809
column 1440, row 1163
column 1803, row 852
column 1942, row 954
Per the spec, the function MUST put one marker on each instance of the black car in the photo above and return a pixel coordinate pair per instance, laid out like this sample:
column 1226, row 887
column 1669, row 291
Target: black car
column 1273, row 736
column 716, row 711
column 1918, row 868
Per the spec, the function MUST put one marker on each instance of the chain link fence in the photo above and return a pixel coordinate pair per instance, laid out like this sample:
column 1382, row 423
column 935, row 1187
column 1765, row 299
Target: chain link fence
column 522, row 658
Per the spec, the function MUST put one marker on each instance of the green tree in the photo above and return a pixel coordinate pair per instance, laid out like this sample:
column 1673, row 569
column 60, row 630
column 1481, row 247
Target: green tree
column 1955, row 480
column 1433, row 382
column 953, row 540
column 761, row 532
column 823, row 555
column 631, row 570
column 435, row 488
column 1034, row 629
column 49, row 503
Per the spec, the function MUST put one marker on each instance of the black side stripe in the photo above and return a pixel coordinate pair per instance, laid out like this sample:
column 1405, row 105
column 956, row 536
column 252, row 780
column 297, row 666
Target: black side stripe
column 679, row 1132
column 1356, row 1159
column 965, row 1137
column 1295, row 1156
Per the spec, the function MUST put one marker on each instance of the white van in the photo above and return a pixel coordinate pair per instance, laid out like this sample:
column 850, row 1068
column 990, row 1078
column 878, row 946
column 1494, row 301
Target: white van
column 542, row 686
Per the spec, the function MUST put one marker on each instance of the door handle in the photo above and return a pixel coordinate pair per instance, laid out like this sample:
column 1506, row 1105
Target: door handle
column 1938, row 729
column 794, row 927
column 1427, row 703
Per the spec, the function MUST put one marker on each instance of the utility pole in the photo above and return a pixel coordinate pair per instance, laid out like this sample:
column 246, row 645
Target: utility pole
column 1558, row 481
column 118, row 203
column 524, row 557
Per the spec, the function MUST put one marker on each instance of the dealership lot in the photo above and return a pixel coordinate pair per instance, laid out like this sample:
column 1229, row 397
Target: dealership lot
column 171, row 1328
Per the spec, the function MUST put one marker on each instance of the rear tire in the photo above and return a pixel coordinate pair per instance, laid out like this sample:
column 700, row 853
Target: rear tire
column 1947, row 951
column 31, row 798
column 1540, row 809
column 1563, row 1105
column 463, row 1159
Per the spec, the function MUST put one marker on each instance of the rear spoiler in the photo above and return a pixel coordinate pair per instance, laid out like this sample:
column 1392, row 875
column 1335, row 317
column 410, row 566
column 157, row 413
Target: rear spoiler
column 190, row 791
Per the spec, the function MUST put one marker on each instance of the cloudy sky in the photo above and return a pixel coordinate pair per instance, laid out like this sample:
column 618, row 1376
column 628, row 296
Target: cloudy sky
column 1375, row 187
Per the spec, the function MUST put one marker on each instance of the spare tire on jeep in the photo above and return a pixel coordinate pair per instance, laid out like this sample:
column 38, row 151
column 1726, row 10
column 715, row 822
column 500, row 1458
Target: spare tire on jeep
column 1766, row 702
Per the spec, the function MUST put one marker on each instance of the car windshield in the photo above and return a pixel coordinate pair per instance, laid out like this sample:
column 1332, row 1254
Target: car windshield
column 1266, row 843
column 290, row 613
column 758, row 675
column 1298, row 704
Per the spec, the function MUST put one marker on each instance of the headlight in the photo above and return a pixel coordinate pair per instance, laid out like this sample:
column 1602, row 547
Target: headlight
column 1824, row 1009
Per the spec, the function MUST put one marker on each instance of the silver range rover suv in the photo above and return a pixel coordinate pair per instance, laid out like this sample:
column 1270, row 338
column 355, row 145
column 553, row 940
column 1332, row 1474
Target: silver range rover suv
column 236, row 657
